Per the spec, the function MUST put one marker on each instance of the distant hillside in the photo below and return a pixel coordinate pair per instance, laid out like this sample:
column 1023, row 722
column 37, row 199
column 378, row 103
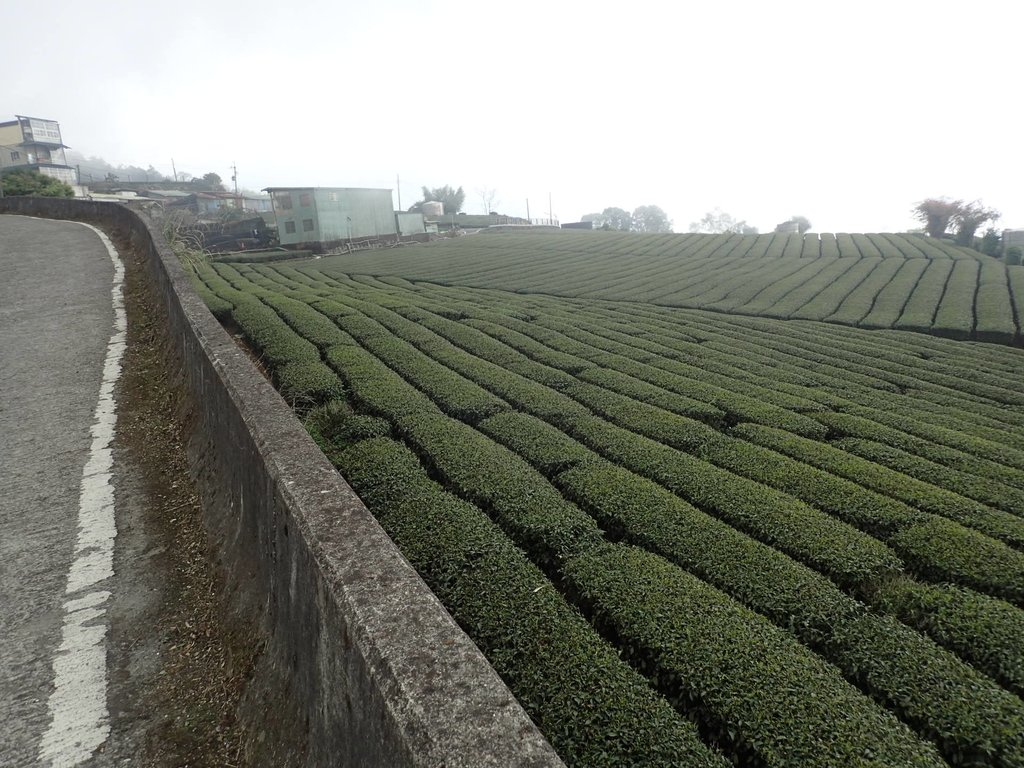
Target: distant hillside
column 909, row 282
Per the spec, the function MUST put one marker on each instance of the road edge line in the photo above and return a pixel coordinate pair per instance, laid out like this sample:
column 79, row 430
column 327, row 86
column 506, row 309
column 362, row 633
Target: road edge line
column 79, row 716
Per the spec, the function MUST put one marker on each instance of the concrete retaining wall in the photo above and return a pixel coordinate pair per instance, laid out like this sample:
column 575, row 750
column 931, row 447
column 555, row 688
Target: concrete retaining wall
column 372, row 669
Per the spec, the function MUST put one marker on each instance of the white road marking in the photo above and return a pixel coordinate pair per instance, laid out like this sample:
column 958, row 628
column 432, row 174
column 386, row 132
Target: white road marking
column 79, row 719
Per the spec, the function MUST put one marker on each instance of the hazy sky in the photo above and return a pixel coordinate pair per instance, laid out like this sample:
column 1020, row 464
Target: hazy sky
column 845, row 113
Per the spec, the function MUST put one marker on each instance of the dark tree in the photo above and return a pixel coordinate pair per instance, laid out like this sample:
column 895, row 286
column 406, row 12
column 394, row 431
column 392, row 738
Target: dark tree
column 803, row 224
column 936, row 213
column 213, row 181
column 611, row 218
column 452, row 199
column 209, row 181
column 991, row 242
column 969, row 218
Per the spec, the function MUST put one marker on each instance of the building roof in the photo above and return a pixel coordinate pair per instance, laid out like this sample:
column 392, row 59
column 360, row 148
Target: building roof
column 42, row 119
column 216, row 195
column 329, row 189
column 20, row 118
column 169, row 192
column 36, row 163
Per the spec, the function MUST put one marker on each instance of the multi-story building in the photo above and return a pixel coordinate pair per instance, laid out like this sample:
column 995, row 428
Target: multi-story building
column 28, row 142
column 1013, row 237
column 318, row 217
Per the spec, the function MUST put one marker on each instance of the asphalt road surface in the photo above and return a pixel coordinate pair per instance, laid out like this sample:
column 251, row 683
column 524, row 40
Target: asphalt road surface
column 58, row 369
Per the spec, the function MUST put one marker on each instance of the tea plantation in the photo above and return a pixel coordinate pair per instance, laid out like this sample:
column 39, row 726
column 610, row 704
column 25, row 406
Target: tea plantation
column 688, row 537
column 910, row 282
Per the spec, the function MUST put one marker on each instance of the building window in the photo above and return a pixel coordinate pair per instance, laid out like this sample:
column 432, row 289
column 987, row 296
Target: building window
column 289, row 227
column 41, row 130
column 283, row 201
column 15, row 155
column 332, row 197
column 307, row 225
column 304, row 199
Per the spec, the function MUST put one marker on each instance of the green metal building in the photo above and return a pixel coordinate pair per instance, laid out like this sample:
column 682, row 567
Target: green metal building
column 321, row 216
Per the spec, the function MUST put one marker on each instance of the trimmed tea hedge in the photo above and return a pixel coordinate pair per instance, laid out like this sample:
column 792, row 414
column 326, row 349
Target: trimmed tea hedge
column 839, row 512
column 591, row 706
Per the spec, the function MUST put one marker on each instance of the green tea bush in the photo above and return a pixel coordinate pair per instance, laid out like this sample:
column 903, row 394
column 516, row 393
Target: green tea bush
column 947, row 468
column 937, row 548
column 984, row 630
column 853, row 426
column 308, row 322
column 707, row 650
column 592, row 707
column 269, row 334
column 304, row 384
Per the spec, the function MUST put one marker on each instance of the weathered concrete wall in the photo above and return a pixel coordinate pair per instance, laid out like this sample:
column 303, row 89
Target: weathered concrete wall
column 368, row 664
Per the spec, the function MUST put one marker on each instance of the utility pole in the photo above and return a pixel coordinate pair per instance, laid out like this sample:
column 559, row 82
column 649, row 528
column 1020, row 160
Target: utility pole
column 528, row 210
column 398, row 185
column 234, row 179
column 174, row 171
column 551, row 217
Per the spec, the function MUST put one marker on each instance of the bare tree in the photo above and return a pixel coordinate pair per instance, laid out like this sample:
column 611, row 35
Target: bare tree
column 488, row 198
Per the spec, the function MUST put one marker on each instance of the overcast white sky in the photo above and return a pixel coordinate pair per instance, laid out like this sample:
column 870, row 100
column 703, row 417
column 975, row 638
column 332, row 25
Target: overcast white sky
column 845, row 113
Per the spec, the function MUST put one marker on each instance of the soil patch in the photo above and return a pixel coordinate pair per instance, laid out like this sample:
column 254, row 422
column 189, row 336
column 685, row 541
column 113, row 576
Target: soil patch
column 205, row 654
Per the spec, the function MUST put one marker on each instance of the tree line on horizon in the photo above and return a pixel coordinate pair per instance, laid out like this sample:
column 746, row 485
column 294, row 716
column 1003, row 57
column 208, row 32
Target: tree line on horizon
column 954, row 219
column 645, row 218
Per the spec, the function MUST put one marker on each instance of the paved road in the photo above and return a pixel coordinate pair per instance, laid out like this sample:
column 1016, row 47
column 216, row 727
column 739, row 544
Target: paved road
column 56, row 320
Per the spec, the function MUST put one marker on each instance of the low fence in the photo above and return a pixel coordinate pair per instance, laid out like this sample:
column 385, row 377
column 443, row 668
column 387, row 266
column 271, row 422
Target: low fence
column 373, row 670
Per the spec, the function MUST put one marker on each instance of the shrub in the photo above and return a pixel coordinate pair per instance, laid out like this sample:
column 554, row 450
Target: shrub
column 937, row 548
column 308, row 322
column 973, row 721
column 28, row 181
column 271, row 336
column 305, row 384
column 704, row 648
column 591, row 706
column 984, row 630
column 813, row 537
